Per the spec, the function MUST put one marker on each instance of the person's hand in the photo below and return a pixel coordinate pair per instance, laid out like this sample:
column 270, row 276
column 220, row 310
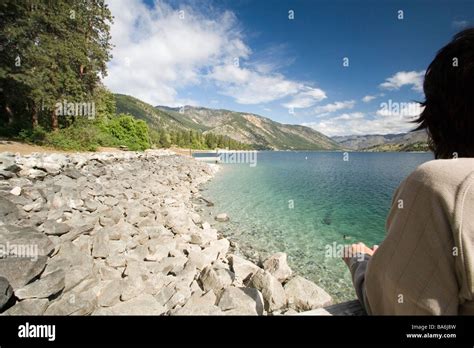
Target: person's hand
column 357, row 249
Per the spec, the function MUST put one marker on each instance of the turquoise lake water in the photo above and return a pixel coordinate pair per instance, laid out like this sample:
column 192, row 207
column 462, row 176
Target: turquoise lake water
column 301, row 202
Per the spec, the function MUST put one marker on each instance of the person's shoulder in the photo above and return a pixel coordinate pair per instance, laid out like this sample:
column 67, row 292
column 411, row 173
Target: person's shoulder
column 443, row 173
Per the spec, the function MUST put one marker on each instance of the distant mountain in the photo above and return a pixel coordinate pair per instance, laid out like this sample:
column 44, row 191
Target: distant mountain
column 260, row 132
column 253, row 129
column 412, row 141
column 155, row 118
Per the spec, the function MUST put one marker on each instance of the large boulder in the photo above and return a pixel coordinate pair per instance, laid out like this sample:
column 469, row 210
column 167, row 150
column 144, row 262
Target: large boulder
column 243, row 269
column 178, row 220
column 100, row 246
column 6, row 292
column 144, row 304
column 45, row 287
column 277, row 265
column 21, row 270
column 55, row 228
column 8, row 164
column 273, row 293
column 31, row 241
column 241, row 301
column 110, row 293
column 215, row 279
column 28, row 307
column 8, row 210
column 304, row 295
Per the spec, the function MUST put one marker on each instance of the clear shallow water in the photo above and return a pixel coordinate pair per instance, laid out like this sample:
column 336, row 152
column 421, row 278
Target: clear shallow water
column 301, row 202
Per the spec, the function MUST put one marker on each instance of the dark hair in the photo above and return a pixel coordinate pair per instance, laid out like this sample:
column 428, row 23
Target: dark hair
column 448, row 116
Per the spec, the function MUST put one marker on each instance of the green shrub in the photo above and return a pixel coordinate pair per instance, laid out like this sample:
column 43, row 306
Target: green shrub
column 36, row 135
column 129, row 132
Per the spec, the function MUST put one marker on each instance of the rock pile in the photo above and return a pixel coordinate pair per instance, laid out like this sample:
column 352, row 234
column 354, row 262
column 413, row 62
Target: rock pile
column 117, row 233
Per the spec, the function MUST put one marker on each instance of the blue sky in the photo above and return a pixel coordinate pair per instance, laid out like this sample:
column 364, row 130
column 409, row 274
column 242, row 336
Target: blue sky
column 249, row 56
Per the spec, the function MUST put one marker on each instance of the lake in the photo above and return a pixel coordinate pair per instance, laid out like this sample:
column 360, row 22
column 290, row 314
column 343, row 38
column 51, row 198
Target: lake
column 303, row 202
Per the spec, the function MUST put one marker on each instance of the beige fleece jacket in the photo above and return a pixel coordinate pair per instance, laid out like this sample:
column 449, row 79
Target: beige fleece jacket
column 425, row 265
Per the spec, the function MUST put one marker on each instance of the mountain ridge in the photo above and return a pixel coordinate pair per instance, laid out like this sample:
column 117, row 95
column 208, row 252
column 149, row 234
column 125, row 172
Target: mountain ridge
column 260, row 132
column 410, row 141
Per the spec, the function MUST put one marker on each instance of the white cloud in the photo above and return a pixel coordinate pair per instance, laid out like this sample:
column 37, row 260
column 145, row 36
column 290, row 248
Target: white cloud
column 358, row 123
column 158, row 53
column 252, row 87
column 325, row 110
column 359, row 126
column 368, row 98
column 350, row 116
column 306, row 98
column 405, row 78
column 460, row 24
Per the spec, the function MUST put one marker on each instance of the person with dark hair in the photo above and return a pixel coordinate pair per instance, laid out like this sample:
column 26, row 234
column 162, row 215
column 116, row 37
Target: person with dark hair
column 425, row 265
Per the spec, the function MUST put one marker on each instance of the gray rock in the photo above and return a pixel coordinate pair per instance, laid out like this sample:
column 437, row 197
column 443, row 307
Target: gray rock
column 6, row 292
column 27, row 237
column 76, row 263
column 218, row 247
column 80, row 301
column 132, row 287
column 199, row 299
column 100, row 247
column 169, row 265
column 49, row 167
column 45, row 287
column 223, row 217
column 76, row 231
column 8, row 210
column 73, row 173
column 243, row 301
column 273, row 293
column 178, row 220
column 35, row 206
column 20, row 271
column 144, row 304
column 304, row 295
column 243, row 269
column 215, row 279
column 200, row 259
column 31, row 173
column 111, row 201
column 198, row 310
column 28, row 307
column 277, row 265
column 110, row 293
column 91, row 205
column 179, row 298
column 6, row 174
column 7, row 163
column 55, row 228
column 16, row 191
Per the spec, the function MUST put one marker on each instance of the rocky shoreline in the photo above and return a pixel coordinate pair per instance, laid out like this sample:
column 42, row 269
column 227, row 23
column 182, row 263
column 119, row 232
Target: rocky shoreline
column 118, row 233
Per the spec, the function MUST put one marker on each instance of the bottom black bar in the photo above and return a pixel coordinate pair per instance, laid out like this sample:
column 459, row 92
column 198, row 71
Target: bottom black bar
column 289, row 330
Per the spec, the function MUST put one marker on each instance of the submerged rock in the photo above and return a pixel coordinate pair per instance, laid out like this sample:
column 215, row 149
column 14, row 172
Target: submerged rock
column 223, row 217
